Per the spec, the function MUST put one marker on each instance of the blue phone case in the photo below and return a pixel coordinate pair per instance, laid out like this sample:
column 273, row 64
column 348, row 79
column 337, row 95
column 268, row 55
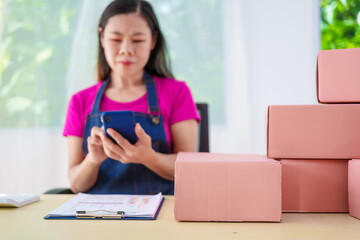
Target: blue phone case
column 121, row 121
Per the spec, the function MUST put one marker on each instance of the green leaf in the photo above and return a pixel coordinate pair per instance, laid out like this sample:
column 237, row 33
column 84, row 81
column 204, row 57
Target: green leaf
column 17, row 104
column 44, row 54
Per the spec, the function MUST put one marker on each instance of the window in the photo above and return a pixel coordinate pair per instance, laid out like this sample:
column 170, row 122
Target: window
column 35, row 42
column 48, row 52
column 340, row 21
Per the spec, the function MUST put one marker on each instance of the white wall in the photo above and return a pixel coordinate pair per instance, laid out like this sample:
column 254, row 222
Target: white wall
column 44, row 168
column 270, row 59
column 283, row 65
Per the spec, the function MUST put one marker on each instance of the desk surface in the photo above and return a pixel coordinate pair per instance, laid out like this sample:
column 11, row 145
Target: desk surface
column 27, row 223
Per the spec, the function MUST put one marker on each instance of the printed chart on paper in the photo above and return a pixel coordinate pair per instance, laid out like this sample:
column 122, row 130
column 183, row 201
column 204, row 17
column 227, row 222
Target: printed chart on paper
column 134, row 205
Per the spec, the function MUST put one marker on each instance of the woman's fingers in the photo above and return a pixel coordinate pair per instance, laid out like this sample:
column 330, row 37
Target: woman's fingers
column 94, row 141
column 141, row 134
column 123, row 150
column 95, row 131
column 113, row 150
column 120, row 140
column 97, row 141
column 116, row 154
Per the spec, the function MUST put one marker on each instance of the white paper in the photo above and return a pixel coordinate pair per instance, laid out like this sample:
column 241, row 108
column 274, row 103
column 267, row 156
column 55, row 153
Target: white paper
column 132, row 205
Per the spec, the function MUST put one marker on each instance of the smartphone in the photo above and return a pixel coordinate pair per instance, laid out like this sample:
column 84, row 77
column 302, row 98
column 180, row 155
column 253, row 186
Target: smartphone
column 121, row 121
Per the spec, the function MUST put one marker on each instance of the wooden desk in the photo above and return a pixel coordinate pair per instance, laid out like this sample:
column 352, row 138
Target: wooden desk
column 27, row 223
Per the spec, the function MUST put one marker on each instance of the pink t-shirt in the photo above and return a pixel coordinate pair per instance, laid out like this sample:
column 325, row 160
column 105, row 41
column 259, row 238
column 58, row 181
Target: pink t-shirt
column 174, row 98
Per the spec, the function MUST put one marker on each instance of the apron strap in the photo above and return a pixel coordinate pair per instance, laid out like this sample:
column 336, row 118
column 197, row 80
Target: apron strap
column 152, row 99
column 100, row 93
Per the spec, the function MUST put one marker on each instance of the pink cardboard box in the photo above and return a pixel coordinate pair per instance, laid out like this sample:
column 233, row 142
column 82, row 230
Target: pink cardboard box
column 354, row 188
column 314, row 131
column 314, row 185
column 227, row 187
column 338, row 76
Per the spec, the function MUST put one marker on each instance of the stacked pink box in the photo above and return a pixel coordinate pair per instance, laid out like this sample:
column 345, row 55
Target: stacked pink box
column 314, row 131
column 338, row 75
column 314, row 142
column 311, row 140
column 338, row 81
column 314, row 185
column 354, row 188
column 227, row 187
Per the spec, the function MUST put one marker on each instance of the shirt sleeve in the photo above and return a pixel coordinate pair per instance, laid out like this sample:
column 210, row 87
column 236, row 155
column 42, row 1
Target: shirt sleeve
column 184, row 107
column 74, row 125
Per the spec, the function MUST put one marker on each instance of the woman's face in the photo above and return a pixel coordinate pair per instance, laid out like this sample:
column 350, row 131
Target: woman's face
column 127, row 43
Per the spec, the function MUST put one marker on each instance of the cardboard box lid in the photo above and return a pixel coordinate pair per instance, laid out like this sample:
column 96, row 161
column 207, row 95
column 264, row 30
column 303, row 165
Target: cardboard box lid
column 223, row 157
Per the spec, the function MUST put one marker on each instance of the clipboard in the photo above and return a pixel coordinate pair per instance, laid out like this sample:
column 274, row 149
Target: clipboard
column 109, row 207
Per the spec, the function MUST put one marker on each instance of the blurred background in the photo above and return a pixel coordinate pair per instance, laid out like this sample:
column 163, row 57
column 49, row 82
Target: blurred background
column 239, row 56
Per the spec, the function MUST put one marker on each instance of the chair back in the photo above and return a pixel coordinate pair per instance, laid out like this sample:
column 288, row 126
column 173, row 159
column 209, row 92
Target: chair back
column 203, row 139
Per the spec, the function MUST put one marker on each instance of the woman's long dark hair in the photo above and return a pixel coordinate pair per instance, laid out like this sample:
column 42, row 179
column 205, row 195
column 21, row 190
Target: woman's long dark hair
column 158, row 64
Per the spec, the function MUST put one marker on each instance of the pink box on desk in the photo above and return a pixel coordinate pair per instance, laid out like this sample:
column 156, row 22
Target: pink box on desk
column 314, row 131
column 354, row 188
column 338, row 76
column 227, row 187
column 314, row 185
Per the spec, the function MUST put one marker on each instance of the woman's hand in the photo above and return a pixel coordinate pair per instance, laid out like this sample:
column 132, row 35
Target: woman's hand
column 124, row 151
column 95, row 146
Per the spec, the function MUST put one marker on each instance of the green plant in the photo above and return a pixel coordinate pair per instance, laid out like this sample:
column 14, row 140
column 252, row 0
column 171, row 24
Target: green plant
column 35, row 39
column 340, row 24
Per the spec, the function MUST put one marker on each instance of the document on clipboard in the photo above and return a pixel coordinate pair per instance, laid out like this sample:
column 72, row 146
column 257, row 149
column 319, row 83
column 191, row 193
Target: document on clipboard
column 109, row 206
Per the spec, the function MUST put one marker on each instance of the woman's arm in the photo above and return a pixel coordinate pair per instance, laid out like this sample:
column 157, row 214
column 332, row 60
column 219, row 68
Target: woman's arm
column 184, row 137
column 83, row 171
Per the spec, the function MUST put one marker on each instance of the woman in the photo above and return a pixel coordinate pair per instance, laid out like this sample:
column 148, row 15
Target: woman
column 133, row 75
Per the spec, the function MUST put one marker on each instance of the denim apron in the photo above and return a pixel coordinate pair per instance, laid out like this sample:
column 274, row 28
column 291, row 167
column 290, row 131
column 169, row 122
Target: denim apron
column 116, row 177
